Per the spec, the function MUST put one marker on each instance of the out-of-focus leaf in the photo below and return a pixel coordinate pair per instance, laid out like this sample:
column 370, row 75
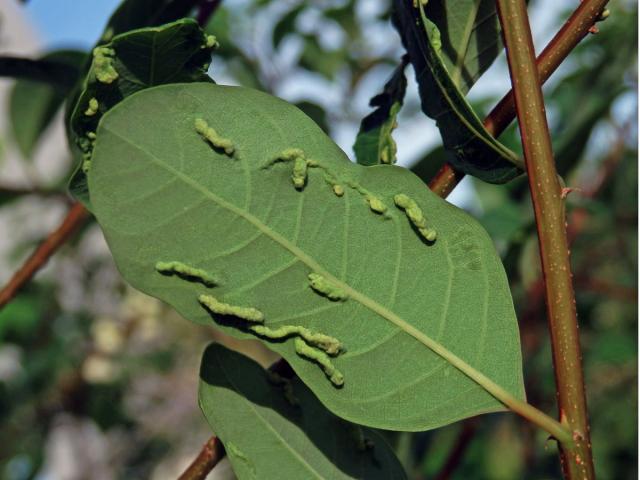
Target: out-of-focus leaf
column 374, row 143
column 286, row 25
column 316, row 113
column 469, row 35
column 345, row 16
column 474, row 150
column 254, row 412
column 32, row 105
column 130, row 62
column 427, row 167
column 316, row 59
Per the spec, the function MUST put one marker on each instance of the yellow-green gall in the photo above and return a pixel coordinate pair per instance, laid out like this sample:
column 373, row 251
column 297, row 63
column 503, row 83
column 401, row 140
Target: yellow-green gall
column 415, row 215
column 210, row 135
column 92, row 108
column 187, row 272
column 249, row 314
column 299, row 173
column 375, row 204
column 338, row 190
column 103, row 68
column 322, row 359
column 326, row 288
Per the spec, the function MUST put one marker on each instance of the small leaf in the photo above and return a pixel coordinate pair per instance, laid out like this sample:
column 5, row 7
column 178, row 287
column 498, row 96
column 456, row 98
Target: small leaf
column 32, row 105
column 374, row 143
column 474, row 150
column 389, row 335
column 132, row 61
column 254, row 412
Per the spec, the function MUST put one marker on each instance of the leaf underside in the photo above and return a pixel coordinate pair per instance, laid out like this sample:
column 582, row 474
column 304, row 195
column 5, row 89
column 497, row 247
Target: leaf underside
column 275, row 428
column 472, row 149
column 161, row 193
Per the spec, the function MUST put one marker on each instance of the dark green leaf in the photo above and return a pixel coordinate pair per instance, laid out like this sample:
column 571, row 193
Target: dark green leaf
column 474, row 150
column 286, row 25
column 469, row 35
column 133, row 61
column 374, row 143
column 134, row 14
column 163, row 194
column 254, row 412
column 32, row 105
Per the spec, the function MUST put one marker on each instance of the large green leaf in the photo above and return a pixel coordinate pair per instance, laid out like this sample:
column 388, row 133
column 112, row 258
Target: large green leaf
column 273, row 427
column 32, row 105
column 374, row 143
column 132, row 61
column 469, row 37
column 474, row 150
column 414, row 308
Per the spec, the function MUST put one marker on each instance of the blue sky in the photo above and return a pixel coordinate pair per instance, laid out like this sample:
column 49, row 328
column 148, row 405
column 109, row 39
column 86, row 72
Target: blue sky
column 70, row 23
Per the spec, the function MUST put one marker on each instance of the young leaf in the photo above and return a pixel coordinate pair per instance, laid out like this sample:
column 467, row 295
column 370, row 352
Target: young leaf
column 32, row 105
column 475, row 151
column 374, row 143
column 132, row 61
column 254, row 412
column 405, row 325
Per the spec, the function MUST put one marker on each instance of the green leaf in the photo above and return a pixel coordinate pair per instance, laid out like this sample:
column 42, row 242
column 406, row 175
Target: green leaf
column 254, row 412
column 374, row 143
column 32, row 105
column 474, row 150
column 469, row 35
column 286, row 25
column 133, row 61
column 134, row 14
column 412, row 315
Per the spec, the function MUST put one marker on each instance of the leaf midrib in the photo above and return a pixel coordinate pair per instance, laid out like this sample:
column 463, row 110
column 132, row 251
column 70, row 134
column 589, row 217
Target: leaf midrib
column 482, row 380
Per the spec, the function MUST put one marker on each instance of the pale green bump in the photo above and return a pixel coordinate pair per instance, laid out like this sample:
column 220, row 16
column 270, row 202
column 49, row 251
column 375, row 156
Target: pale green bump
column 211, row 42
column 375, row 204
column 415, row 215
column 326, row 288
column 321, row 358
column 103, row 67
column 338, row 190
column 291, row 154
column 210, row 135
column 299, row 173
column 92, row 109
column 187, row 272
column 91, row 135
column 249, row 314
column 330, row 345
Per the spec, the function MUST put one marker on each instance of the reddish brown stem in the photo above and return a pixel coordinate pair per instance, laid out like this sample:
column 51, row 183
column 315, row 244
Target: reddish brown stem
column 212, row 452
column 572, row 32
column 76, row 216
column 549, row 209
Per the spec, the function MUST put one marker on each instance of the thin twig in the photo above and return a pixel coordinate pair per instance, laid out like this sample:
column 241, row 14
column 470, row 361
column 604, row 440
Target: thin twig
column 549, row 208
column 212, row 452
column 76, row 216
column 567, row 38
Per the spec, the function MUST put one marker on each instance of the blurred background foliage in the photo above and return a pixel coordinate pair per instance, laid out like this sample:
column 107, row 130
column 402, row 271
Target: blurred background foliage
column 99, row 381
